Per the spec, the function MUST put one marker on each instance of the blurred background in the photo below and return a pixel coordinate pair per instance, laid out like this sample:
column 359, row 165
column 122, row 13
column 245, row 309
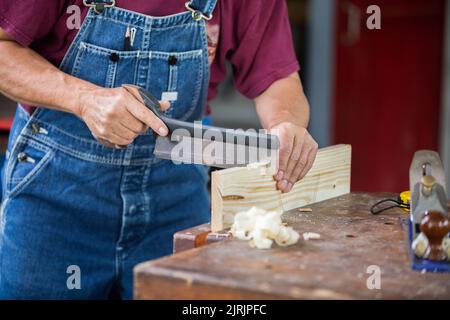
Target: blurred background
column 386, row 92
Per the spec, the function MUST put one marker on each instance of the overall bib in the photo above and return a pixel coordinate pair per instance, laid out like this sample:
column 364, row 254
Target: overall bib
column 77, row 216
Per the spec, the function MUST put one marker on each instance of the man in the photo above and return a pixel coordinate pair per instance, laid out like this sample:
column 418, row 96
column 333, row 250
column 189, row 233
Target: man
column 78, row 215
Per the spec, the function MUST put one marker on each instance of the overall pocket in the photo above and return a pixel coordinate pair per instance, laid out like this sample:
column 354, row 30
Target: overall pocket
column 106, row 67
column 177, row 77
column 174, row 76
column 26, row 162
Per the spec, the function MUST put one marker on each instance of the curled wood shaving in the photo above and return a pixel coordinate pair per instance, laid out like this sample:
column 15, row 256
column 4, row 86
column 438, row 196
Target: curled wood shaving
column 446, row 246
column 261, row 228
column 420, row 245
column 311, row 236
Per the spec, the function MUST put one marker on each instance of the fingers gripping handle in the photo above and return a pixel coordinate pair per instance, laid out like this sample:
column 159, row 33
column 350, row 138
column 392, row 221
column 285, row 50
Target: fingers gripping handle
column 191, row 129
column 145, row 97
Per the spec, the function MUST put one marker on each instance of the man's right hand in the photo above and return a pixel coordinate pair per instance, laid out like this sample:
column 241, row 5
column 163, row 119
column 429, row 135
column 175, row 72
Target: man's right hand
column 115, row 117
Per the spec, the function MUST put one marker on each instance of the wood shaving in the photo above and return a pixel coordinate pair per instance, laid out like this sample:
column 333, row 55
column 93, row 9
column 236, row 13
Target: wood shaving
column 263, row 166
column 420, row 245
column 258, row 165
column 311, row 236
column 261, row 228
column 446, row 247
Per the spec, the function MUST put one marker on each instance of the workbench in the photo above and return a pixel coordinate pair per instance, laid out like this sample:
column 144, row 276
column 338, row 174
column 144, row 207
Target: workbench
column 337, row 266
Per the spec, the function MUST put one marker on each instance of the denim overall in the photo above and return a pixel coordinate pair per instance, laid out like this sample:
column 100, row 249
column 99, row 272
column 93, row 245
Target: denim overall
column 78, row 216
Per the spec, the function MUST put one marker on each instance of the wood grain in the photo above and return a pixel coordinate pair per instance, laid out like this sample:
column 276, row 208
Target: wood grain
column 239, row 189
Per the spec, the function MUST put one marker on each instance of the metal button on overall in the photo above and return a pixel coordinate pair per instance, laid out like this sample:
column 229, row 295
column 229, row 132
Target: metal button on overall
column 99, row 7
column 114, row 57
column 173, row 60
column 22, row 157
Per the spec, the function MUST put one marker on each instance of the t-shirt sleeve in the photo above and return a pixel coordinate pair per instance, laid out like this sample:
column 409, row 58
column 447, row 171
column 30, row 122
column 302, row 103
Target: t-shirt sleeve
column 29, row 20
column 264, row 49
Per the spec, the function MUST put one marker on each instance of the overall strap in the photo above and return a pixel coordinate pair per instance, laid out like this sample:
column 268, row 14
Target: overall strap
column 201, row 9
column 99, row 5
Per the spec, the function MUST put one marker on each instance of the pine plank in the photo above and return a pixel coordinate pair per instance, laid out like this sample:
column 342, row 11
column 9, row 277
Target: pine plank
column 238, row 189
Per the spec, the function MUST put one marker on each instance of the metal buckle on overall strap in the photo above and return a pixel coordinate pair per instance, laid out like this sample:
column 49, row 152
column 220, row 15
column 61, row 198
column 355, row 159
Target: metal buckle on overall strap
column 98, row 5
column 197, row 15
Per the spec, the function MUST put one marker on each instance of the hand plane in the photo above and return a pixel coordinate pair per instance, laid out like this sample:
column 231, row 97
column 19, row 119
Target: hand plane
column 207, row 145
column 429, row 223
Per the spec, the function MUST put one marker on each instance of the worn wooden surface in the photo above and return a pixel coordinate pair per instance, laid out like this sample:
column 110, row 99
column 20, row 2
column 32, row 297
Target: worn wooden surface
column 197, row 237
column 331, row 268
column 239, row 189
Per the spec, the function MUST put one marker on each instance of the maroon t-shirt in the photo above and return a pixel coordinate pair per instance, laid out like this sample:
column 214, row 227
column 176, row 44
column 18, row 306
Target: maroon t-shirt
column 253, row 34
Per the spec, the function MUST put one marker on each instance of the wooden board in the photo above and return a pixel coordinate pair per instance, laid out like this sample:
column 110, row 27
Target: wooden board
column 239, row 189
column 334, row 267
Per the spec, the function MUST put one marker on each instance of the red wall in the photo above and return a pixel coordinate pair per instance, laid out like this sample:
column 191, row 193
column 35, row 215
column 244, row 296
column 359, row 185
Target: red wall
column 387, row 95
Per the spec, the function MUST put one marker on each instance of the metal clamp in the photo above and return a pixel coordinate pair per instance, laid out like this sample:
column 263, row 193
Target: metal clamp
column 196, row 14
column 99, row 6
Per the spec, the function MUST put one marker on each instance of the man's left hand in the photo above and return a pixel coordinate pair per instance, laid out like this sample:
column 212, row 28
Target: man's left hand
column 298, row 151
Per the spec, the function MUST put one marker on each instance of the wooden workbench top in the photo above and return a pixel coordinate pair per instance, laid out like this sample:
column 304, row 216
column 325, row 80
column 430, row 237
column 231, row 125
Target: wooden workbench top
column 334, row 267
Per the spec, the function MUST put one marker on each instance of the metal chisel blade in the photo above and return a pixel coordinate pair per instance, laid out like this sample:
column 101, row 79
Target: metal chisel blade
column 211, row 153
